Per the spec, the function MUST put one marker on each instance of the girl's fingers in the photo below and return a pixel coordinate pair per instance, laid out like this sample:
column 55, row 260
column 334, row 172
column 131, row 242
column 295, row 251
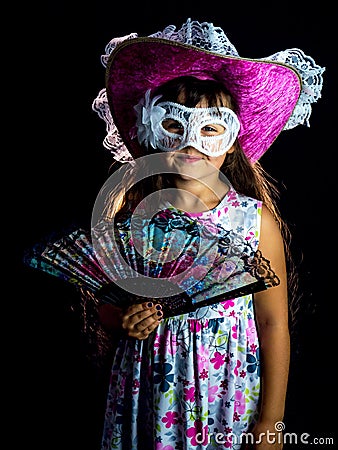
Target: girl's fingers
column 138, row 308
column 147, row 331
column 148, row 322
column 137, row 313
column 140, row 320
column 143, row 329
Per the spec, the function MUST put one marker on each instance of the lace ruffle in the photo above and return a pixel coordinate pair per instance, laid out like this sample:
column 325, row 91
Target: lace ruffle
column 312, row 82
column 201, row 35
column 113, row 140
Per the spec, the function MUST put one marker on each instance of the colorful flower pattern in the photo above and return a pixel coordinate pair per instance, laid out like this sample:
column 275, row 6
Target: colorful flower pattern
column 195, row 382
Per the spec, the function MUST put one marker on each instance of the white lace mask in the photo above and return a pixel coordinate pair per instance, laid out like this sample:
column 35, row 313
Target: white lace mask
column 191, row 127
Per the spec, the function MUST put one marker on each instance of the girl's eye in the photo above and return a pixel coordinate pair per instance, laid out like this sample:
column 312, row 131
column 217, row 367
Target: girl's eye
column 173, row 126
column 212, row 130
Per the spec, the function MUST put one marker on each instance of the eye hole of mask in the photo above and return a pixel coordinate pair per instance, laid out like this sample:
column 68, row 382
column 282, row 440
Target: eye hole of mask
column 174, row 126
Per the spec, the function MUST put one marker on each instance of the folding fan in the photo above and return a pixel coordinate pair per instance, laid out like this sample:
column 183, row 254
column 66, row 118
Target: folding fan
column 172, row 259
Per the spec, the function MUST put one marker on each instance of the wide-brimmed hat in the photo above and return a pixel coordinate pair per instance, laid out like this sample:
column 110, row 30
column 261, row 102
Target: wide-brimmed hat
column 272, row 94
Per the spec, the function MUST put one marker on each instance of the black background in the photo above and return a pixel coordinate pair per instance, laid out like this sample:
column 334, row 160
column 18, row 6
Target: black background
column 58, row 396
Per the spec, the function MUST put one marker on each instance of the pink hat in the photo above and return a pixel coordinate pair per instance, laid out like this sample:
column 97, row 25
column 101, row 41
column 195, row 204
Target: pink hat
column 273, row 94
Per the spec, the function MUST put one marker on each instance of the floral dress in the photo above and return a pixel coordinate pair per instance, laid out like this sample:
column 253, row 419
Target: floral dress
column 194, row 383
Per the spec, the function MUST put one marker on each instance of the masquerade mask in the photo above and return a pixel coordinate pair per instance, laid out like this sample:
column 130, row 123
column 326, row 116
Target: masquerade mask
column 170, row 126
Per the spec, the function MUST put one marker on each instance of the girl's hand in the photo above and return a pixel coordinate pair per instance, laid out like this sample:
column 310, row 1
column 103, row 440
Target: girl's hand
column 141, row 319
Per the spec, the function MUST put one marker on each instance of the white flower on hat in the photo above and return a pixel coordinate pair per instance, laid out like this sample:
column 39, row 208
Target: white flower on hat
column 149, row 116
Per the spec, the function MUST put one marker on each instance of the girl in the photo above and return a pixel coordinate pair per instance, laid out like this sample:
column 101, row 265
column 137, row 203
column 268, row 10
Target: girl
column 215, row 377
column 190, row 119
column 204, row 368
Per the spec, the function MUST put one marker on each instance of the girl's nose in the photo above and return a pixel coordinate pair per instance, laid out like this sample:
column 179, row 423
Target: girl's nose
column 190, row 150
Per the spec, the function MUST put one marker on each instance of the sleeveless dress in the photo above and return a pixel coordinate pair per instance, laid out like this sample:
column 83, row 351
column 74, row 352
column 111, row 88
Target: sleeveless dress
column 194, row 383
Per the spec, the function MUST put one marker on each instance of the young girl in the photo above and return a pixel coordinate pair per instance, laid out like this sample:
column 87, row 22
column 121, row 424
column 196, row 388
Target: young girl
column 194, row 379
column 215, row 377
column 190, row 118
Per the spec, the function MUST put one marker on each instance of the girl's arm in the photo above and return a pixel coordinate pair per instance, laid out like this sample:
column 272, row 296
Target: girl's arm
column 271, row 308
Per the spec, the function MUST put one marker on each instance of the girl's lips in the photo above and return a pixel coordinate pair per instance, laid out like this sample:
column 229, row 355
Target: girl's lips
column 189, row 158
